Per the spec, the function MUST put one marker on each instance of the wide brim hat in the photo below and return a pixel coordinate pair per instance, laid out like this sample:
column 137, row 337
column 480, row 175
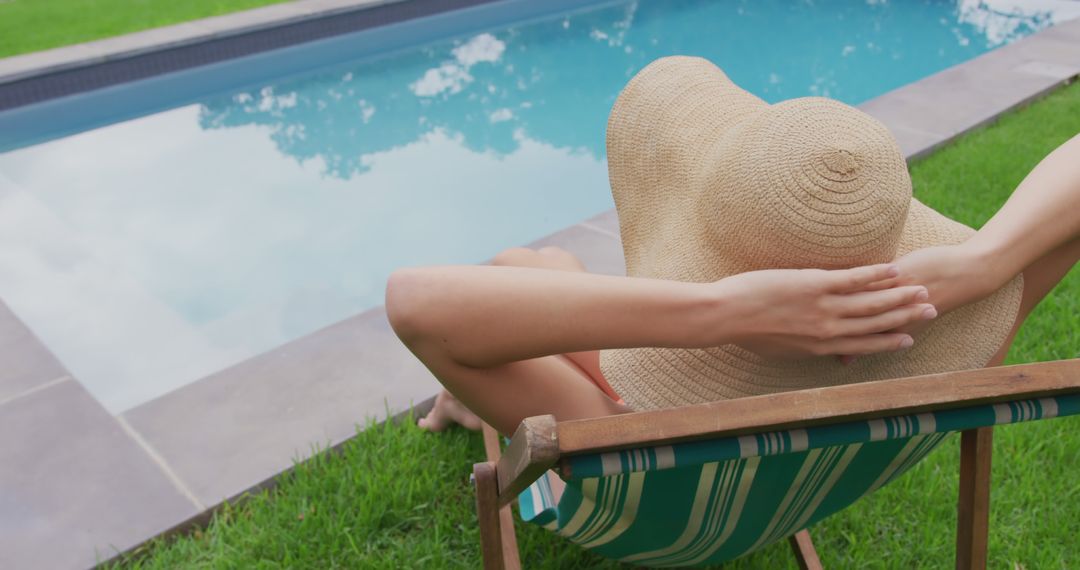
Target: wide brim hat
column 710, row 181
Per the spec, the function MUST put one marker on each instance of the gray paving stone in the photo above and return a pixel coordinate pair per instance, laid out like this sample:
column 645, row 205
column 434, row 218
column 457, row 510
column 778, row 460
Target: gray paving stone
column 959, row 98
column 928, row 112
column 899, row 112
column 331, row 6
column 73, row 486
column 154, row 39
column 599, row 251
column 1053, row 70
column 39, row 62
column 1048, row 50
column 1065, row 31
column 228, row 432
column 247, row 20
column 25, row 363
column 915, row 144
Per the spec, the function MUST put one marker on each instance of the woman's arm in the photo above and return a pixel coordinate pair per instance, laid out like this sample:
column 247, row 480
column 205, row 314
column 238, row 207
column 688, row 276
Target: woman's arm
column 486, row 316
column 1041, row 220
column 1042, row 215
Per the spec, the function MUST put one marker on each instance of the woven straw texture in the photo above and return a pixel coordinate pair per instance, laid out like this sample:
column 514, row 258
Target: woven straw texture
column 710, row 181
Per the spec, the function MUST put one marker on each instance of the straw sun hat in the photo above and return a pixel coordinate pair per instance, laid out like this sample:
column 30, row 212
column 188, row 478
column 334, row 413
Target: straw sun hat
column 710, row 181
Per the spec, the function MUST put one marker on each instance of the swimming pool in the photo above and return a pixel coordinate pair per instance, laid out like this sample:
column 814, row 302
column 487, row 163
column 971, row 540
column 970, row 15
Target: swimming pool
column 247, row 210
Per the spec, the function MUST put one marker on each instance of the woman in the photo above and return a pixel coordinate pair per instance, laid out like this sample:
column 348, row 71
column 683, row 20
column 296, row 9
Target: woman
column 522, row 337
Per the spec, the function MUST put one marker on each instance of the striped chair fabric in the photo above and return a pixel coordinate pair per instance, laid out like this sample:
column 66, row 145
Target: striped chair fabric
column 706, row 502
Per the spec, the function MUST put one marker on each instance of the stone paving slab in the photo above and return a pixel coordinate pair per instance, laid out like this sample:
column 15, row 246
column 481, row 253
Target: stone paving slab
column 232, row 430
column 1068, row 31
column 129, row 45
column 27, row 364
column 934, row 110
column 32, row 64
column 272, row 15
column 74, row 487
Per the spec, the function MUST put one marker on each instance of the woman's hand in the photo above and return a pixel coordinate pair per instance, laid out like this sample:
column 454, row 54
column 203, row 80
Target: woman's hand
column 797, row 313
column 954, row 276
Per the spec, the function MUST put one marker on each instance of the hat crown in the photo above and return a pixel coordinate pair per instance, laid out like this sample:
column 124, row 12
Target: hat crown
column 710, row 181
column 806, row 183
column 840, row 161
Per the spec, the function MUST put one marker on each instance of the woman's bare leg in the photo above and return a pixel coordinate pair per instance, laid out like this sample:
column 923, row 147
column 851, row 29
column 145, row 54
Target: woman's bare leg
column 562, row 385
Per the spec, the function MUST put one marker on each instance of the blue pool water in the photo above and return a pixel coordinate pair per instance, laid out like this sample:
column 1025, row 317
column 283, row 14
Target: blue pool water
column 153, row 251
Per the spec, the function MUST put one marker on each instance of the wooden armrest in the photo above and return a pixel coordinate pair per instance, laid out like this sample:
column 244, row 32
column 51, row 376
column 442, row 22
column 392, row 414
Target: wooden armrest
column 816, row 406
column 533, row 450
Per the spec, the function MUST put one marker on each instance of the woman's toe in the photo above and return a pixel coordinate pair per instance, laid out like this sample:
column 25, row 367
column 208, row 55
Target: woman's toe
column 432, row 422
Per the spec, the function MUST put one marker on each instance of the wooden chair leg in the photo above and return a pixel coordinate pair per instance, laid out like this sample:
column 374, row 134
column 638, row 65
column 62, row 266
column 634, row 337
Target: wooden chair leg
column 804, row 550
column 508, row 549
column 487, row 511
column 973, row 506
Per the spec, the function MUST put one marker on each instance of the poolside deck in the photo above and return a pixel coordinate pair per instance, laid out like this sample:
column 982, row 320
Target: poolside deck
column 93, row 482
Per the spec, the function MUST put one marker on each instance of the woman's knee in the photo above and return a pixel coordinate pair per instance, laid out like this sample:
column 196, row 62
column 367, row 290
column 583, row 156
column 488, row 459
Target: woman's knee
column 516, row 257
column 547, row 257
column 402, row 288
column 561, row 259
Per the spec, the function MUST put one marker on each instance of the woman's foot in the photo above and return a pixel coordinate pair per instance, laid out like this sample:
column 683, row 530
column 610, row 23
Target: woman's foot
column 447, row 411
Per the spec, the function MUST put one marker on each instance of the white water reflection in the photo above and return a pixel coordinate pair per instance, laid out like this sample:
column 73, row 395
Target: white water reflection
column 450, row 77
column 143, row 273
column 1002, row 21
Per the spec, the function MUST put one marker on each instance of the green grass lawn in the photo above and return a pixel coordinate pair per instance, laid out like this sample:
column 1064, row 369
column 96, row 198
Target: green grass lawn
column 32, row 25
column 397, row 497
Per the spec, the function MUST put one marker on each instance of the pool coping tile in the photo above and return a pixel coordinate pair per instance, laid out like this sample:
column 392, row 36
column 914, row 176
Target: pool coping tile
column 247, row 423
column 930, row 112
column 27, row 364
column 135, row 43
column 77, row 488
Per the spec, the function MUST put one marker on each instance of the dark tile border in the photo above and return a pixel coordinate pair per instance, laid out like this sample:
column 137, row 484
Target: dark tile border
column 98, row 75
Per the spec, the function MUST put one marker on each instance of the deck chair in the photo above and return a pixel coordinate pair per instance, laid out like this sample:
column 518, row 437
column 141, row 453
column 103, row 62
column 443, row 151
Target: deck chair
column 707, row 483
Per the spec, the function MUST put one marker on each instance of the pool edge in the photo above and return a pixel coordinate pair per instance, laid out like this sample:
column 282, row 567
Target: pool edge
column 43, row 76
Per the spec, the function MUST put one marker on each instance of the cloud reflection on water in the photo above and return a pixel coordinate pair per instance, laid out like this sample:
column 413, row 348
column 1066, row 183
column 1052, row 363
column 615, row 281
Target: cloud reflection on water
column 153, row 252
column 144, row 274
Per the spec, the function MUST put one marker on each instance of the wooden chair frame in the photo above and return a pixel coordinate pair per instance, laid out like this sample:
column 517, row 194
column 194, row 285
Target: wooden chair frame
column 540, row 443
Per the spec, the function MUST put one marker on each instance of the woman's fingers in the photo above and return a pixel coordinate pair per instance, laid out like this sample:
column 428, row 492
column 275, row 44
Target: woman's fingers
column 887, row 321
column 883, row 284
column 868, row 303
column 855, row 279
column 866, row 344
